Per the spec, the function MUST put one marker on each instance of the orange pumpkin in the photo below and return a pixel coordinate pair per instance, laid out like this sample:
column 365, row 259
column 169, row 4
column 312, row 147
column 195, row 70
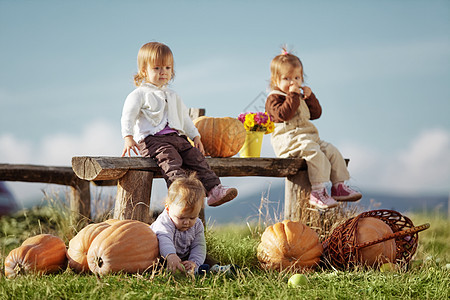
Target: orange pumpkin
column 221, row 137
column 42, row 254
column 126, row 246
column 113, row 221
column 289, row 244
column 79, row 246
column 370, row 229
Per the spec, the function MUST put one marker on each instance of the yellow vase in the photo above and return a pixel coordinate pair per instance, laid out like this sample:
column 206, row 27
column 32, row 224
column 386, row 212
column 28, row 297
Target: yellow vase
column 252, row 145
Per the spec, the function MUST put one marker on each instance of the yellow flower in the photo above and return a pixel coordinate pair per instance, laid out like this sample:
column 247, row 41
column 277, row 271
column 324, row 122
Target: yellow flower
column 249, row 121
column 270, row 127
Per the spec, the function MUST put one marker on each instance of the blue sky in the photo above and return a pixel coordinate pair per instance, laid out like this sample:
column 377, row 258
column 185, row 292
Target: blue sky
column 381, row 70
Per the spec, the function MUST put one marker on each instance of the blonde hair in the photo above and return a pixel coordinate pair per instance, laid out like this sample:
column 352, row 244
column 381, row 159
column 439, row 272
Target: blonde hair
column 186, row 192
column 153, row 54
column 283, row 64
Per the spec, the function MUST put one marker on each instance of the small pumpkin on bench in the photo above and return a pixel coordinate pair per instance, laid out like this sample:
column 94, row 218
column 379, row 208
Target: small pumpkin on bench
column 221, row 137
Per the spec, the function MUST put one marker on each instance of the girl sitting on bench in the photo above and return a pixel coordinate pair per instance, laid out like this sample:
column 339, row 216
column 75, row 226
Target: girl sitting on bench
column 155, row 117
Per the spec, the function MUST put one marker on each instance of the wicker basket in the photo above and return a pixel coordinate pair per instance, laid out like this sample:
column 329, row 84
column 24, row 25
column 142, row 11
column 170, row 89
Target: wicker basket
column 341, row 248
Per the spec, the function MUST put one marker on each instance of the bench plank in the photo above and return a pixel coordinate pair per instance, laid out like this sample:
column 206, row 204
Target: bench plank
column 80, row 196
column 110, row 168
column 37, row 173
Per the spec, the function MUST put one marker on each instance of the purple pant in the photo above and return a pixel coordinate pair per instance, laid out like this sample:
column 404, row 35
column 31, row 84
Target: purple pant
column 175, row 155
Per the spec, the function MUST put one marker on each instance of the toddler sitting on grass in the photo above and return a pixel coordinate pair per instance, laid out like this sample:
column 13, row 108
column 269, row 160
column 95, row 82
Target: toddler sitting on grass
column 181, row 233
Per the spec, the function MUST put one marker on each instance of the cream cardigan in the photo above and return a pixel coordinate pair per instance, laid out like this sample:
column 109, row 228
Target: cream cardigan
column 148, row 109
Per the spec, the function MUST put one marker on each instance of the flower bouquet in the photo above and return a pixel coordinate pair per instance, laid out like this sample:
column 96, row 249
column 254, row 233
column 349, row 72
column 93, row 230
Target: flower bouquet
column 259, row 121
column 256, row 125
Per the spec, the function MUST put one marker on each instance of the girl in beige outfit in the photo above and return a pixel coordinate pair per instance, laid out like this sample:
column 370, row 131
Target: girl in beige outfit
column 296, row 136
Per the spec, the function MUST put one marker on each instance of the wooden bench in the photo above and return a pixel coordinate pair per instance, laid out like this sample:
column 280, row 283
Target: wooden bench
column 134, row 176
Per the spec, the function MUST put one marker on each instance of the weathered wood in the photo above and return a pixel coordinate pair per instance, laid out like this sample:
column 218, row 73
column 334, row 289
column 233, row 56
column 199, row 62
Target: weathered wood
column 37, row 173
column 80, row 201
column 133, row 196
column 296, row 188
column 110, row 168
column 80, row 198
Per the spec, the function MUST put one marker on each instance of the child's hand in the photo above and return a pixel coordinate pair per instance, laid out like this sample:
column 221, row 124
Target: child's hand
column 306, row 91
column 199, row 145
column 189, row 265
column 174, row 263
column 129, row 144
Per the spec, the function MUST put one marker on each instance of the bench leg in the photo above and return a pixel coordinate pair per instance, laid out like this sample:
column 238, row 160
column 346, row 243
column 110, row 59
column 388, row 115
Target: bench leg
column 297, row 189
column 80, row 201
column 133, row 196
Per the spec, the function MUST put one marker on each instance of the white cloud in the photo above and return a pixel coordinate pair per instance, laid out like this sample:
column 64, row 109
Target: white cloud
column 97, row 138
column 15, row 151
column 425, row 165
column 422, row 166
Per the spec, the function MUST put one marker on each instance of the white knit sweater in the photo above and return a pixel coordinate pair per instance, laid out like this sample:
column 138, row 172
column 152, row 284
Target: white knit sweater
column 148, row 109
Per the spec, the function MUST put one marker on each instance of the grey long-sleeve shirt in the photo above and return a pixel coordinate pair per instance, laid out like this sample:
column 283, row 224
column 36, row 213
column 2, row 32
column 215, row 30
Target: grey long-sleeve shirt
column 188, row 245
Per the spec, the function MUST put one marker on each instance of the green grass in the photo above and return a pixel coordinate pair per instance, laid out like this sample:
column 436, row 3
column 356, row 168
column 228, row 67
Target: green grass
column 428, row 278
column 425, row 284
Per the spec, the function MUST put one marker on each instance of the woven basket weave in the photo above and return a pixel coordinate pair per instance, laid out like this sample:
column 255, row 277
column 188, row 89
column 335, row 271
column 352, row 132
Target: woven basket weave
column 341, row 248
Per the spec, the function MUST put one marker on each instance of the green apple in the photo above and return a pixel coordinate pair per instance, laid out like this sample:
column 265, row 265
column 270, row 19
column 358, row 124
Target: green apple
column 388, row 267
column 297, row 280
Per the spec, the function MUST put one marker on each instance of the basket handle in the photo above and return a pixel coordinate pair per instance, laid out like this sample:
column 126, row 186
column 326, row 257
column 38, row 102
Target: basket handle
column 395, row 235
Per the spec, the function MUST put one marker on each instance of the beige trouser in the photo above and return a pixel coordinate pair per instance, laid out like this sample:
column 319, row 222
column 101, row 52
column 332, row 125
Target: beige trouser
column 325, row 162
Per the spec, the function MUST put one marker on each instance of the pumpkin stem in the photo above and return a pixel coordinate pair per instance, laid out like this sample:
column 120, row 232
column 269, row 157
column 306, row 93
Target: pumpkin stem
column 99, row 261
column 18, row 269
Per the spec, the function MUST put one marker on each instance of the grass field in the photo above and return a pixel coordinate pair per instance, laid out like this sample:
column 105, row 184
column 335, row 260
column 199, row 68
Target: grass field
column 427, row 278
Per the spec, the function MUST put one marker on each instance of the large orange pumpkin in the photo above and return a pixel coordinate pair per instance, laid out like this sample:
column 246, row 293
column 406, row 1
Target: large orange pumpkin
column 79, row 246
column 114, row 221
column 42, row 254
column 289, row 244
column 370, row 229
column 126, row 246
column 221, row 137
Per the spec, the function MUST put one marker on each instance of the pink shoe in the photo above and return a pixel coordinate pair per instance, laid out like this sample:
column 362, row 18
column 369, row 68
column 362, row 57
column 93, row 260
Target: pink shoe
column 344, row 193
column 321, row 199
column 220, row 195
